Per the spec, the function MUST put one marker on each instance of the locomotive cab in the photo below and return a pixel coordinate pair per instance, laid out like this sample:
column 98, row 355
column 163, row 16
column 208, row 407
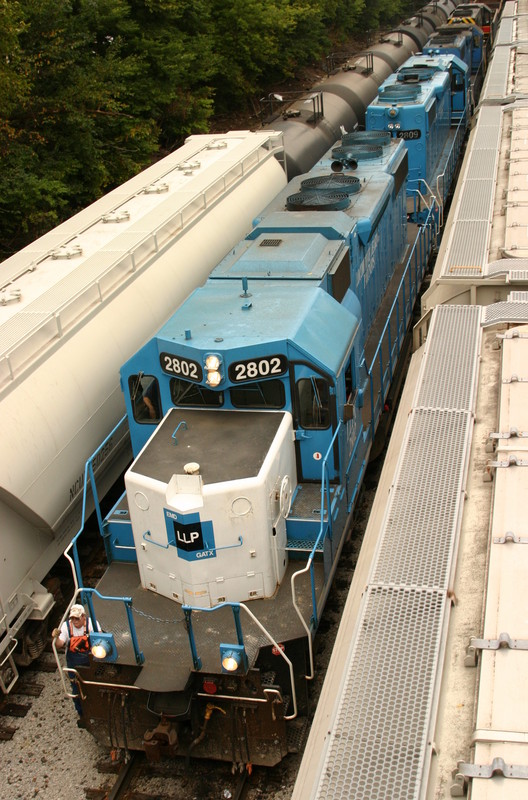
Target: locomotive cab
column 234, row 471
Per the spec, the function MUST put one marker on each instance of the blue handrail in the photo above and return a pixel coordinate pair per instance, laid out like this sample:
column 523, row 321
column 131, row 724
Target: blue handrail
column 236, row 608
column 325, row 494
column 140, row 658
column 88, row 472
column 187, row 610
column 413, row 272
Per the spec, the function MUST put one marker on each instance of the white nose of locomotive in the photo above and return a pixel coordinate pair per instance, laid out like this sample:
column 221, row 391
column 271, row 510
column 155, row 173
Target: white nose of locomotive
column 213, row 529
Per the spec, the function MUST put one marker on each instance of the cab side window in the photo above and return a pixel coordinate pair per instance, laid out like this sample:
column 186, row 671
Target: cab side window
column 145, row 398
column 314, row 402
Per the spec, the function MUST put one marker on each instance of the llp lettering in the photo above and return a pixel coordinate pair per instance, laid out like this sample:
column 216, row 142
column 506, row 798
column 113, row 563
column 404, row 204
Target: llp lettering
column 182, row 537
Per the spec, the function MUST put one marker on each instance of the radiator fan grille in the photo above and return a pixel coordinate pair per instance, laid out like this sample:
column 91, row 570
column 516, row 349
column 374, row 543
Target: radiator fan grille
column 317, row 201
column 400, row 93
column 348, row 184
column 357, row 152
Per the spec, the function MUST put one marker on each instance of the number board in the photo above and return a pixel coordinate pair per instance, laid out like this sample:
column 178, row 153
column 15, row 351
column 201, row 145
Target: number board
column 181, row 367
column 255, row 368
column 407, row 135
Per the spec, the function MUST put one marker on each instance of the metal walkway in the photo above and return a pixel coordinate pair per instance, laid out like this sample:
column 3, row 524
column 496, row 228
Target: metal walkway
column 380, row 740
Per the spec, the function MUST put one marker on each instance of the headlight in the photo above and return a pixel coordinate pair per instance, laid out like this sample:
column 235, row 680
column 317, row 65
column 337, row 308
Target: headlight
column 213, row 368
column 102, row 647
column 233, row 658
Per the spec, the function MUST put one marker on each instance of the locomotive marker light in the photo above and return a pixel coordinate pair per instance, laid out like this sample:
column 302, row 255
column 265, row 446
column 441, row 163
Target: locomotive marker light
column 234, row 659
column 213, row 363
column 103, row 648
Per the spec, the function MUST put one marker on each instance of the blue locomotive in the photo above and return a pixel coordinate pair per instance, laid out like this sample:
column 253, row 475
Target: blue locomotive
column 462, row 38
column 425, row 103
column 252, row 415
column 452, row 40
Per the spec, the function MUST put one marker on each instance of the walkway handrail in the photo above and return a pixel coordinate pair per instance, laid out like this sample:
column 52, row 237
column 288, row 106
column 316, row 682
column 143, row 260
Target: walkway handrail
column 136, row 258
column 236, row 611
column 451, row 161
column 88, row 472
column 309, row 563
column 63, row 670
column 408, row 304
column 140, row 658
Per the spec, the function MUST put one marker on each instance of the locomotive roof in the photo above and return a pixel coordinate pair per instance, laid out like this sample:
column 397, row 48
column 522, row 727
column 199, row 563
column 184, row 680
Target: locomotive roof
column 429, row 71
column 283, row 255
column 299, row 315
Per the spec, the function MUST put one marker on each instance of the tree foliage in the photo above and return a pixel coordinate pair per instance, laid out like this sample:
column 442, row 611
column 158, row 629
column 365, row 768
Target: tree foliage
column 90, row 90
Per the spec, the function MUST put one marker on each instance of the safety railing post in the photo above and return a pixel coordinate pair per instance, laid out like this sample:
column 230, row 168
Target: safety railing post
column 238, row 626
column 197, row 661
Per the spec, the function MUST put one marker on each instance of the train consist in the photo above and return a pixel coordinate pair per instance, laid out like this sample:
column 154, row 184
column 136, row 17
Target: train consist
column 102, row 283
column 425, row 694
column 252, row 413
column 313, row 122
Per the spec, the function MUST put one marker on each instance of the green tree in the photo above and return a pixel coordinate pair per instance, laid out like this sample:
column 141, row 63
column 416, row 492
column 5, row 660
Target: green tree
column 259, row 41
column 90, row 90
column 73, row 133
column 177, row 49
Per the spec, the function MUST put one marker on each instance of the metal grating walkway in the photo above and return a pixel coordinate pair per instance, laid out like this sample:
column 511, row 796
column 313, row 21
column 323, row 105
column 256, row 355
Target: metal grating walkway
column 468, row 238
column 379, row 745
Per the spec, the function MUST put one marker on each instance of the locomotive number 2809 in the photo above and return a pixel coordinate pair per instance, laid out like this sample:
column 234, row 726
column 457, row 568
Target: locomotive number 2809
column 407, row 135
column 181, row 367
column 265, row 367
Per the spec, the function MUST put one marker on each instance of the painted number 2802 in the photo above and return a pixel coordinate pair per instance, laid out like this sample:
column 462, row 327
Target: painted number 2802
column 258, row 368
column 182, row 367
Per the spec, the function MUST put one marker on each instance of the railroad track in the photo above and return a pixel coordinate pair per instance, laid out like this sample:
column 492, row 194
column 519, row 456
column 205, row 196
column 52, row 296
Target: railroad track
column 168, row 781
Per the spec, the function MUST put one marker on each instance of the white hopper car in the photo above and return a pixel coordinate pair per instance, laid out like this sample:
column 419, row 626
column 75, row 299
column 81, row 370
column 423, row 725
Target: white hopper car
column 75, row 305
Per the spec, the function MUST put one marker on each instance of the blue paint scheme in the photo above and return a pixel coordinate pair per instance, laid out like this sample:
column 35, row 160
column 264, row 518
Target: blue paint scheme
column 294, row 262
column 309, row 315
column 451, row 42
column 417, row 102
column 463, row 39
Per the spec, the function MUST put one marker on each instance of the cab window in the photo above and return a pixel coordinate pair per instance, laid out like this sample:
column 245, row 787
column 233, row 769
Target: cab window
column 262, row 394
column 145, row 398
column 314, row 402
column 186, row 393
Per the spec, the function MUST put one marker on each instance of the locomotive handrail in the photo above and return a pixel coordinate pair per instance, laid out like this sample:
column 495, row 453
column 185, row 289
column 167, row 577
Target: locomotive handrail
column 89, row 592
column 182, row 425
column 419, row 256
column 140, row 658
column 88, row 472
column 309, row 563
column 147, row 538
column 450, row 164
column 236, row 614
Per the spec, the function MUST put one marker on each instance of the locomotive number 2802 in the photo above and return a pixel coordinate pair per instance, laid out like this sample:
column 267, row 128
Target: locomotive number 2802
column 181, row 367
column 265, row 367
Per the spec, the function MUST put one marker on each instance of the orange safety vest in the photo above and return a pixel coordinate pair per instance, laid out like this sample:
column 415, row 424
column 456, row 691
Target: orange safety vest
column 79, row 644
